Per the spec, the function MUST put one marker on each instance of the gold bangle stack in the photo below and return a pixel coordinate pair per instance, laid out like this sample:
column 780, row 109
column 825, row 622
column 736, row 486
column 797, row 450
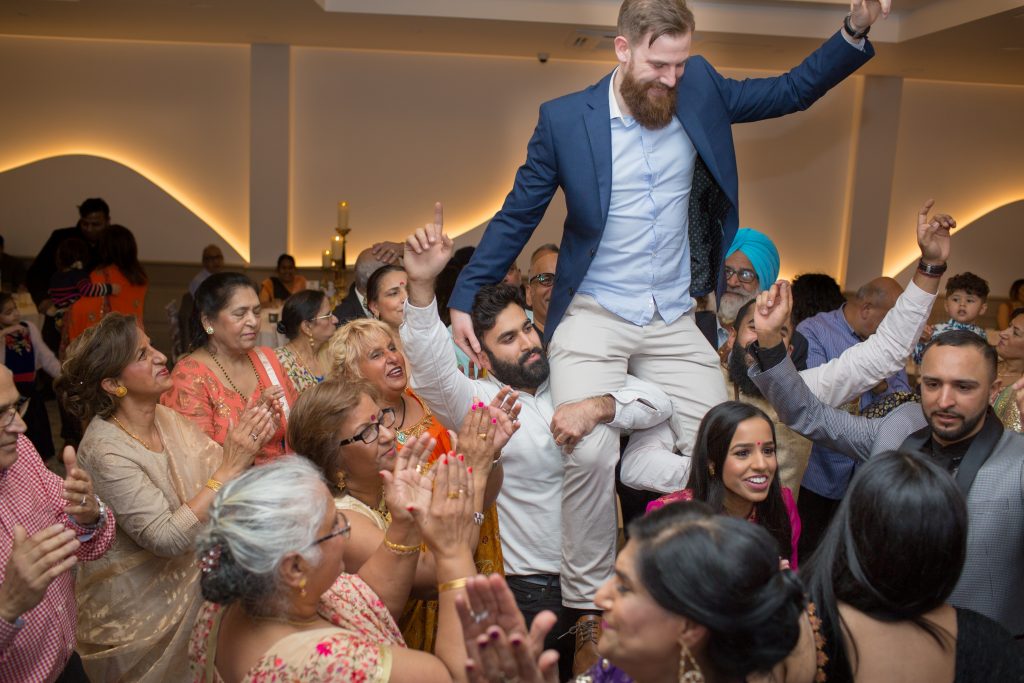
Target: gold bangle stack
column 452, row 585
column 213, row 485
column 399, row 549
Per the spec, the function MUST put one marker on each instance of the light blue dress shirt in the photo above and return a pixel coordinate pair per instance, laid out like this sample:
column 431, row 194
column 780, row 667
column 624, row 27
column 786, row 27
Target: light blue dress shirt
column 642, row 265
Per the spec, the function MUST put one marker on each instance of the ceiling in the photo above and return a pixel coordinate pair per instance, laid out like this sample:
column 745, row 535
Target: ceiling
column 958, row 40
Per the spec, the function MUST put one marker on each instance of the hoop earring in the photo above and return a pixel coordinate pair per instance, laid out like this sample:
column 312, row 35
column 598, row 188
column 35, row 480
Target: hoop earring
column 689, row 670
column 121, row 391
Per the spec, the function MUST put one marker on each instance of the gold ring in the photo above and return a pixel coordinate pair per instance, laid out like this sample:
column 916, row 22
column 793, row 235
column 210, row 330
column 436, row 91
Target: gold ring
column 482, row 435
column 455, row 494
column 420, row 469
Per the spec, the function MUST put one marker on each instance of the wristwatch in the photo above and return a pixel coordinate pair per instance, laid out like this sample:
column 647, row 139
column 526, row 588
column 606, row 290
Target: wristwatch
column 931, row 270
column 848, row 27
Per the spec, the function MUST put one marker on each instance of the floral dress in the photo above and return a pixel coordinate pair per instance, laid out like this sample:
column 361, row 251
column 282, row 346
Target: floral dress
column 357, row 648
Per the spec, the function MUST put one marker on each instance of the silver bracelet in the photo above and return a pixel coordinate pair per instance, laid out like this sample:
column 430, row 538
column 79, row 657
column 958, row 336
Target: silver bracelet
column 478, row 518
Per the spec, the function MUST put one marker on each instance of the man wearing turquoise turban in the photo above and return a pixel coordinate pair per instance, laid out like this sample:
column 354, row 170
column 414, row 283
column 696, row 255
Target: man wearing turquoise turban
column 751, row 266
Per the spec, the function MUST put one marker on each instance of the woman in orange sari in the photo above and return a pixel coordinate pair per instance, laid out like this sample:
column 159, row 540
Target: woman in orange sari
column 119, row 265
column 225, row 371
column 368, row 351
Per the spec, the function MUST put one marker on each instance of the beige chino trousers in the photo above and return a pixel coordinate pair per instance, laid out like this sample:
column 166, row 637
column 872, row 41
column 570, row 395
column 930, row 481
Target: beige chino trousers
column 590, row 354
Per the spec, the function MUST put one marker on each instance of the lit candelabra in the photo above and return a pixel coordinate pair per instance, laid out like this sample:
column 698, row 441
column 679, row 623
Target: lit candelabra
column 334, row 258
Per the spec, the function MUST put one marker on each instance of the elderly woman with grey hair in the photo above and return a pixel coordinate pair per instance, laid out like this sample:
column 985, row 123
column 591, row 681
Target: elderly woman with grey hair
column 279, row 603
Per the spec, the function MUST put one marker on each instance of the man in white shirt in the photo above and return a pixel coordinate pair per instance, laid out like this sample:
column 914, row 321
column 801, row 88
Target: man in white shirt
column 529, row 510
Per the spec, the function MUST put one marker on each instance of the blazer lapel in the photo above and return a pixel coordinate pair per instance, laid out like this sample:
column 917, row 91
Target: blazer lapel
column 981, row 448
column 687, row 111
column 599, row 132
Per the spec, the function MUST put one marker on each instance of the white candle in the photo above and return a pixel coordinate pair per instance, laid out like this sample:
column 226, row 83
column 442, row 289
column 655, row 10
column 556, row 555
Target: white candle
column 342, row 214
column 336, row 248
column 327, row 259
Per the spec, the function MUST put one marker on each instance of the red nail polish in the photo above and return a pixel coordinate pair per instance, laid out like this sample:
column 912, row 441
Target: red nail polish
column 474, row 407
column 445, row 461
column 461, row 457
column 470, row 469
column 494, row 420
column 493, row 635
column 409, row 508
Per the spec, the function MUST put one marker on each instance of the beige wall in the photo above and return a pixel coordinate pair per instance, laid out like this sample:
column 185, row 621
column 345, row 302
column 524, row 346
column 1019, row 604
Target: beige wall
column 391, row 133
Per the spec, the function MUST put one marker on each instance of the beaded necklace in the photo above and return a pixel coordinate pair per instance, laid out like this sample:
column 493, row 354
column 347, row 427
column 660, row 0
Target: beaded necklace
column 231, row 384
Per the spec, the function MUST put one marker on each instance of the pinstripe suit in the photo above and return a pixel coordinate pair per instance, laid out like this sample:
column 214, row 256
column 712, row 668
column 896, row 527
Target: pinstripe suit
column 992, row 581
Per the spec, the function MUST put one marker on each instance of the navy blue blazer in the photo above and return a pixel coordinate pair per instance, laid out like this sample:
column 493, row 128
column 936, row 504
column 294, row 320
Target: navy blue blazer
column 571, row 149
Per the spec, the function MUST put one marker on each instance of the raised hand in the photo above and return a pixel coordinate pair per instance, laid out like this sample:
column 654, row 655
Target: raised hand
column 82, row 505
column 933, row 234
column 771, row 312
column 484, row 432
column 428, row 250
column 410, row 483
column 388, row 252
column 34, row 563
column 864, row 13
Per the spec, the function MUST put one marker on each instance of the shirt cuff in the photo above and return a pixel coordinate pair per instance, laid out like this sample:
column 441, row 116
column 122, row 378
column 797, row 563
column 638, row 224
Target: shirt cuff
column 767, row 358
column 8, row 631
column 854, row 42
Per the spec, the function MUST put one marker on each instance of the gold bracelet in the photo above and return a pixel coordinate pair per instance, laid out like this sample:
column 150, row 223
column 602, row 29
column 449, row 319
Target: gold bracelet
column 213, row 485
column 399, row 549
column 452, row 585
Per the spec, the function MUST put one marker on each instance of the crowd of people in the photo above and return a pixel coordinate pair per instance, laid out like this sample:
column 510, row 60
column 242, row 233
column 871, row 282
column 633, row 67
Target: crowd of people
column 648, row 459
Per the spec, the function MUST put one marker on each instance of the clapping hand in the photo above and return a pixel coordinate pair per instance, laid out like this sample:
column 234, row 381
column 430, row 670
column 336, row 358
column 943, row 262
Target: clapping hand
column 272, row 396
column 82, row 505
column 247, row 438
column 447, row 523
column 409, row 484
column 486, row 429
column 35, row 561
column 497, row 641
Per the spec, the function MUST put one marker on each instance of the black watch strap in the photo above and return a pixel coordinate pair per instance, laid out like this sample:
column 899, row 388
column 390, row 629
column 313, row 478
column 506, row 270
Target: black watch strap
column 856, row 35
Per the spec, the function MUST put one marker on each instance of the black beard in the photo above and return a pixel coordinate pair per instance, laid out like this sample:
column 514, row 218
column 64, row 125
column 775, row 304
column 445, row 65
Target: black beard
column 738, row 372
column 519, row 375
column 952, row 436
column 651, row 114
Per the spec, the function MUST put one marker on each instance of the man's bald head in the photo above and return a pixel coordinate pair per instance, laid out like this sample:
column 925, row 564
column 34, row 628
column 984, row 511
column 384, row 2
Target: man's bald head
column 366, row 265
column 872, row 302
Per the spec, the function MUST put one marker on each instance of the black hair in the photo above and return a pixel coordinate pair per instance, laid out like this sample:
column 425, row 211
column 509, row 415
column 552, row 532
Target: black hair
column 71, row 251
column 211, row 298
column 893, row 551
column 722, row 573
column 373, row 284
column 93, row 205
column 5, row 297
column 488, row 304
column 285, row 257
column 298, row 308
column 462, row 255
column 966, row 338
column 967, row 282
column 117, row 248
column 815, row 293
column 711, row 449
column 1017, row 311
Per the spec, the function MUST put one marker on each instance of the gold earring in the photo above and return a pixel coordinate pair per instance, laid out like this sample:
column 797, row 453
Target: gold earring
column 339, row 479
column 302, row 592
column 689, row 670
column 312, row 343
column 711, row 469
column 121, row 391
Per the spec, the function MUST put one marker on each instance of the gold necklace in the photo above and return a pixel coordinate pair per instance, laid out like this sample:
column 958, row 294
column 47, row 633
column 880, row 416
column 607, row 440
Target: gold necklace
column 259, row 383
column 131, row 434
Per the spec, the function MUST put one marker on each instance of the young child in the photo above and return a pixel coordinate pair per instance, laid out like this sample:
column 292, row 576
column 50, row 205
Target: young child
column 71, row 281
column 966, row 297
column 23, row 352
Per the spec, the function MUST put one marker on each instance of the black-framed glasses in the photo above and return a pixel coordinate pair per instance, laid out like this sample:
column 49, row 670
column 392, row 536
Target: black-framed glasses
column 543, row 279
column 372, row 431
column 744, row 275
column 19, row 408
column 344, row 530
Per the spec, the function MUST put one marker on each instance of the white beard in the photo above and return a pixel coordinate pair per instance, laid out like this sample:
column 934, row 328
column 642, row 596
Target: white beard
column 731, row 304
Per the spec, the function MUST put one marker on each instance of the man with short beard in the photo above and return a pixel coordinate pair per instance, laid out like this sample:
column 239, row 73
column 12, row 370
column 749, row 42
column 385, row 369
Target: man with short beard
column 529, row 515
column 646, row 161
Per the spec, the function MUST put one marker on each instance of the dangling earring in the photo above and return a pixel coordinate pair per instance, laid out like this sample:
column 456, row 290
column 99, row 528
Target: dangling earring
column 689, row 670
column 711, row 469
column 121, row 391
column 302, row 592
column 312, row 344
column 339, row 480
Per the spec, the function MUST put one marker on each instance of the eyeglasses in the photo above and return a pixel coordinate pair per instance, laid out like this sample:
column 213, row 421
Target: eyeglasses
column 344, row 530
column 372, row 430
column 18, row 408
column 325, row 316
column 744, row 275
column 543, row 279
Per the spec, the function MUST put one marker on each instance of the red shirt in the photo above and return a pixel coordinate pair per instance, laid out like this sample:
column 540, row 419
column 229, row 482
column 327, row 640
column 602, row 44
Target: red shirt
column 32, row 496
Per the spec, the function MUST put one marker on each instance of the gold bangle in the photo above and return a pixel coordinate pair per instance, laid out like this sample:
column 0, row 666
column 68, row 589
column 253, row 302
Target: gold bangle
column 213, row 485
column 399, row 549
column 452, row 585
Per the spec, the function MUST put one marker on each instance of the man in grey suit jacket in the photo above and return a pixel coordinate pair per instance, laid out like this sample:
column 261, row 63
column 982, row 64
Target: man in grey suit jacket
column 953, row 423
